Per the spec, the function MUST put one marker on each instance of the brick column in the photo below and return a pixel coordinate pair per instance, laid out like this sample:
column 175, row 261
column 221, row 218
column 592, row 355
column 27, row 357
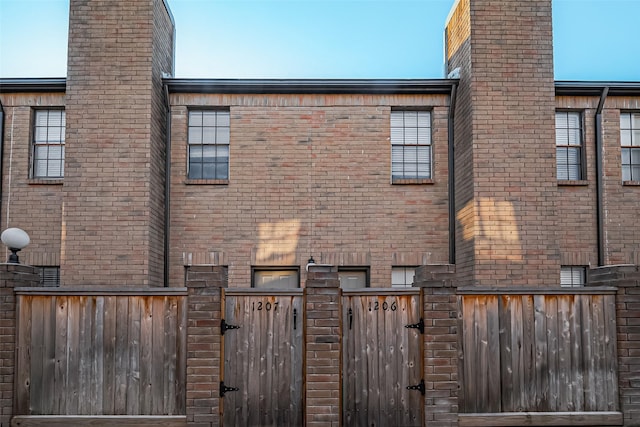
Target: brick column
column 204, row 344
column 440, row 343
column 11, row 276
column 627, row 279
column 323, row 334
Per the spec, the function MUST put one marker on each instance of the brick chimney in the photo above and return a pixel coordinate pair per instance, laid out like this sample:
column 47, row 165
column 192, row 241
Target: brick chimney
column 504, row 142
column 113, row 206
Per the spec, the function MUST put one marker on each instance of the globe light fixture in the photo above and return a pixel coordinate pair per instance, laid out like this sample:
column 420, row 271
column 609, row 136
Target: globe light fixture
column 15, row 239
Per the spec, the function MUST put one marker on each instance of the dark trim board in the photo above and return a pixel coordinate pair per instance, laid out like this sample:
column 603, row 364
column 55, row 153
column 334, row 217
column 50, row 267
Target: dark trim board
column 99, row 420
column 505, row 419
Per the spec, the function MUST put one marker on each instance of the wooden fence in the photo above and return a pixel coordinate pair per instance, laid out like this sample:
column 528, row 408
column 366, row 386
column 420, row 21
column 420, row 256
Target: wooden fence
column 107, row 354
column 382, row 358
column 538, row 352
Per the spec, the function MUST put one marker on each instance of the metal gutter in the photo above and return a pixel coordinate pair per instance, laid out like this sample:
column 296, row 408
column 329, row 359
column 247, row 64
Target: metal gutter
column 451, row 175
column 167, row 186
column 33, row 85
column 1, row 153
column 599, row 178
column 310, row 86
column 595, row 88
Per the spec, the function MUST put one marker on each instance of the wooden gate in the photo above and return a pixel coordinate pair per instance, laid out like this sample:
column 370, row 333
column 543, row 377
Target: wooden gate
column 263, row 354
column 382, row 358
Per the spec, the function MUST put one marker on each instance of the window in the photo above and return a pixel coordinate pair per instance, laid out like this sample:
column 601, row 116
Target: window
column 569, row 145
column 48, row 144
column 402, row 277
column 276, row 278
column 49, row 276
column 353, row 277
column 572, row 276
column 208, row 144
column 630, row 143
column 410, row 145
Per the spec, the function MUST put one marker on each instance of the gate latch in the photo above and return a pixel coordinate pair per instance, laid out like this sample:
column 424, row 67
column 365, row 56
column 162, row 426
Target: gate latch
column 419, row 387
column 224, row 389
column 224, row 326
column 419, row 326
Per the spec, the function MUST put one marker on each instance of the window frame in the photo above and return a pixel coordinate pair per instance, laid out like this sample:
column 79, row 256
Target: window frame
column 407, row 177
column 581, row 167
column 37, row 143
column 202, row 178
column 257, row 269
column 632, row 147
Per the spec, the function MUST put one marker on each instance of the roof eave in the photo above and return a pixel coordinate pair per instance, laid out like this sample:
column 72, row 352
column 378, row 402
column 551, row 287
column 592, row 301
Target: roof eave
column 33, row 85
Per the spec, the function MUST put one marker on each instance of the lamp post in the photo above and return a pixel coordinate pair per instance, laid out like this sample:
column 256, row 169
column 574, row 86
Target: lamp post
column 15, row 239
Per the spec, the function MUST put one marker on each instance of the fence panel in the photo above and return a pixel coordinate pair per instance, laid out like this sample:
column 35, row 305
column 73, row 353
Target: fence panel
column 538, row 352
column 381, row 358
column 263, row 354
column 99, row 354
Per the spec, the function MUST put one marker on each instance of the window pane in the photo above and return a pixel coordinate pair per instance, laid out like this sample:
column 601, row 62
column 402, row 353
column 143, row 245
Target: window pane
column 625, row 121
column 397, row 120
column 626, row 172
column 195, row 171
column 222, row 135
column 410, row 154
column 195, row 118
column 222, row 153
column 635, row 120
column 40, row 168
column 41, row 135
column 424, row 119
column 562, row 137
column 208, row 153
column 635, row 138
column 208, row 171
column 208, row 135
column 55, row 152
column 397, row 154
column 55, row 118
column 424, row 136
column 42, row 118
column 626, row 156
column 223, row 118
column 222, row 170
column 208, row 118
column 195, row 153
column 195, row 135
column 397, row 136
column 411, row 135
column 573, row 136
column 410, row 119
column 625, row 138
column 635, row 156
column 54, row 168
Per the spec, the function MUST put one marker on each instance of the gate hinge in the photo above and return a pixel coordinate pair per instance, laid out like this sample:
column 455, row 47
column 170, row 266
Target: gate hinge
column 419, row 326
column 224, row 326
column 419, row 387
column 224, row 389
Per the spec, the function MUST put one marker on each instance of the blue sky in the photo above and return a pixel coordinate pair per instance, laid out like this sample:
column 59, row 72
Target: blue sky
column 593, row 39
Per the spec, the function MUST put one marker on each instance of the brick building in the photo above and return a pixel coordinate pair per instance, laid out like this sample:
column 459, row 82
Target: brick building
column 161, row 208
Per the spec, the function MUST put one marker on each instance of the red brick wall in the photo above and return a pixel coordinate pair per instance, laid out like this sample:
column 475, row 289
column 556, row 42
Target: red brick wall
column 33, row 205
column 506, row 216
column 112, row 210
column 309, row 176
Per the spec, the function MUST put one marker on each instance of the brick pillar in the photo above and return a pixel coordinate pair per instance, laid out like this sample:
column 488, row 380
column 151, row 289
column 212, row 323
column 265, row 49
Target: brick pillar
column 627, row 279
column 11, row 276
column 204, row 344
column 323, row 334
column 440, row 343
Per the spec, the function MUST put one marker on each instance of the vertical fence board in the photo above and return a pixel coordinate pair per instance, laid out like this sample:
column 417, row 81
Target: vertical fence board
column 577, row 366
column 109, row 351
column 121, row 356
column 73, row 352
column 37, row 356
column 97, row 359
column 61, row 373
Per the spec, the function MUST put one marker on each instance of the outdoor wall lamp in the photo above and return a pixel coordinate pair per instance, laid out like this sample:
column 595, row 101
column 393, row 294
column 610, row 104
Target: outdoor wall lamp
column 15, row 239
column 310, row 262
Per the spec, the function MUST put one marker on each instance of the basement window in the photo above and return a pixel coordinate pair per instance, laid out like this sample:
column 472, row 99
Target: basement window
column 402, row 277
column 276, row 278
column 572, row 276
column 49, row 276
column 353, row 277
